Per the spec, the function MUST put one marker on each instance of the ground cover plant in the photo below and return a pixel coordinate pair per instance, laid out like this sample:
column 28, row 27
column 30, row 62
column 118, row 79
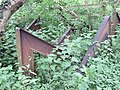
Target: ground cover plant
column 51, row 73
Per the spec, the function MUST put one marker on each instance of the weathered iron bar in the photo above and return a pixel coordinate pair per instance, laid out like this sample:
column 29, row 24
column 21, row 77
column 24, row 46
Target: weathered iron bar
column 64, row 36
column 116, row 19
column 34, row 25
column 101, row 36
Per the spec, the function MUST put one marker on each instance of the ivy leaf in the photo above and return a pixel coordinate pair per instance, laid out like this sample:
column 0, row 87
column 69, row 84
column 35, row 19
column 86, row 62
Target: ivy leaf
column 74, row 59
column 53, row 67
column 66, row 64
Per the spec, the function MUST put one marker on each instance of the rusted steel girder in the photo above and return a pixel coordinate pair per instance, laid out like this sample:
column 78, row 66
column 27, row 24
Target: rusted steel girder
column 105, row 29
column 101, row 36
column 26, row 44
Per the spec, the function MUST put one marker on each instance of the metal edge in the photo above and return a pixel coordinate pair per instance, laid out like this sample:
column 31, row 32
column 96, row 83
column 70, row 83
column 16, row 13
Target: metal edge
column 19, row 45
column 100, row 30
column 62, row 38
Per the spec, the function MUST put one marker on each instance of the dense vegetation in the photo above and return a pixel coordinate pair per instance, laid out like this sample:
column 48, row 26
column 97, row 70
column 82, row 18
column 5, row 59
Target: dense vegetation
column 56, row 16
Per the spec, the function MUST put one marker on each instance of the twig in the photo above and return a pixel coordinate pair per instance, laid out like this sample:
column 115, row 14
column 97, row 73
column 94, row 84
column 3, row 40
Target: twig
column 72, row 13
column 88, row 5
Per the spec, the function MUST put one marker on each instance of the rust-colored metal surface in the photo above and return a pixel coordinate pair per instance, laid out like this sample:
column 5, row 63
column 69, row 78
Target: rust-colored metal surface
column 26, row 44
column 101, row 36
column 64, row 36
column 34, row 25
column 116, row 19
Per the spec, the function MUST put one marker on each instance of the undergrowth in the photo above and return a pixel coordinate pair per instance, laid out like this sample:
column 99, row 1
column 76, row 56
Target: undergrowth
column 53, row 73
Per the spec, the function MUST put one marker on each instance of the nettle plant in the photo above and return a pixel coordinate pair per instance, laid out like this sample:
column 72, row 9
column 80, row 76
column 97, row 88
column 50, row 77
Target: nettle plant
column 103, row 71
column 3, row 3
column 57, row 71
column 60, row 73
column 8, row 53
column 10, row 80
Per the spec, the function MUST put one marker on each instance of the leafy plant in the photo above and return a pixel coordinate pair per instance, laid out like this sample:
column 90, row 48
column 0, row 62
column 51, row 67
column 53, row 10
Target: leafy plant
column 58, row 72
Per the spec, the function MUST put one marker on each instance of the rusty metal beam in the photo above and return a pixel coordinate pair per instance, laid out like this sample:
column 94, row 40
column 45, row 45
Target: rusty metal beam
column 116, row 19
column 34, row 25
column 26, row 44
column 105, row 29
column 101, row 36
column 64, row 36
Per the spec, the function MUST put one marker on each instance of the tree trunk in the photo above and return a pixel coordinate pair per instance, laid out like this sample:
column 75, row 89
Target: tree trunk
column 8, row 10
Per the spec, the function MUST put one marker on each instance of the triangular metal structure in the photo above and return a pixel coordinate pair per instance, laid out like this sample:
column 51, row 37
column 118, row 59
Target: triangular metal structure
column 26, row 44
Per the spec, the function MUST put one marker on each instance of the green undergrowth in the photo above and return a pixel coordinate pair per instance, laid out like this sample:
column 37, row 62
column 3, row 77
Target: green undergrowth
column 101, row 73
column 58, row 72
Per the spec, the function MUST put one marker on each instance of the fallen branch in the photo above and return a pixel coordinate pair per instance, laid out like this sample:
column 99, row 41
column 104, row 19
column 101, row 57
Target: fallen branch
column 88, row 5
column 72, row 13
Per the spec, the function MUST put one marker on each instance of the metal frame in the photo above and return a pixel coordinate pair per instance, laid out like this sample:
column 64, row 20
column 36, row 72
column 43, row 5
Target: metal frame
column 27, row 43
